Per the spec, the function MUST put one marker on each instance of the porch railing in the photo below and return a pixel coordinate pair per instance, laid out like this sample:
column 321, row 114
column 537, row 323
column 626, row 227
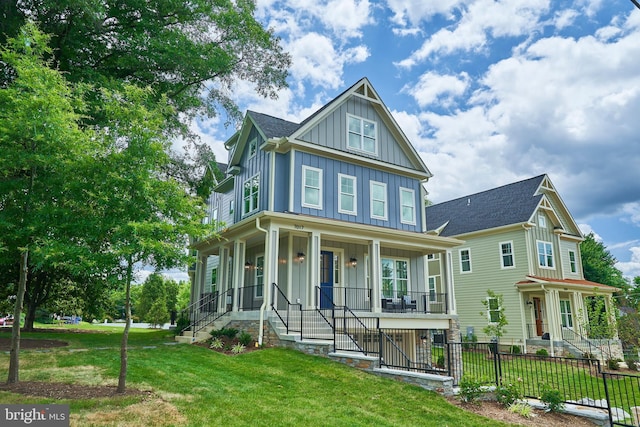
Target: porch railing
column 250, row 297
column 420, row 302
column 206, row 310
column 354, row 333
column 283, row 308
column 357, row 299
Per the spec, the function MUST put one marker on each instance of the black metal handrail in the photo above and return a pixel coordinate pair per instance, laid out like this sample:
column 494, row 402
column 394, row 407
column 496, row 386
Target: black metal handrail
column 576, row 340
column 277, row 295
column 532, row 330
column 353, row 327
column 214, row 314
column 384, row 338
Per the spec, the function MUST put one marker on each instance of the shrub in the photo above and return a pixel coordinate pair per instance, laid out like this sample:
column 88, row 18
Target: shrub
column 588, row 356
column 521, row 408
column 613, row 364
column 469, row 342
column 470, row 390
column 515, row 349
column 216, row 343
column 632, row 364
column 224, row 332
column 551, row 397
column 237, row 349
column 508, row 394
column 542, row 353
column 245, row 338
column 440, row 361
column 181, row 324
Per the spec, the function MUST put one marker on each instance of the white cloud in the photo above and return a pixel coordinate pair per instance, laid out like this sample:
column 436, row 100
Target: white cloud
column 481, row 19
column 631, row 212
column 586, row 229
column 432, row 87
column 411, row 13
column 631, row 268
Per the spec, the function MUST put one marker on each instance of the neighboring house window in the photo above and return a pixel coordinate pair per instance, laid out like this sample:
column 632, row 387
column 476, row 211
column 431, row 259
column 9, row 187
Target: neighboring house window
column 251, row 192
column 493, row 310
column 395, row 277
column 565, row 313
column 347, row 198
column 378, row 200
column 253, row 146
column 433, row 256
column 259, row 276
column 407, row 206
column 506, row 254
column 465, row 260
column 362, row 135
column 572, row 262
column 311, row 187
column 545, row 254
column 542, row 221
column 232, row 205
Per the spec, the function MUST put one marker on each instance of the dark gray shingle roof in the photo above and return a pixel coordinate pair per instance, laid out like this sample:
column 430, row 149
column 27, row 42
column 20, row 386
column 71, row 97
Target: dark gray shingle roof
column 273, row 127
column 510, row 204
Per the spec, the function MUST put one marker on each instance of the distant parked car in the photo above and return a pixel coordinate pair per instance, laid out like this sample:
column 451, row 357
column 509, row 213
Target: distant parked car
column 6, row 320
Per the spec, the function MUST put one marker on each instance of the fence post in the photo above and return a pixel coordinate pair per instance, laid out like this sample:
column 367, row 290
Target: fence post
column 606, row 393
column 496, row 361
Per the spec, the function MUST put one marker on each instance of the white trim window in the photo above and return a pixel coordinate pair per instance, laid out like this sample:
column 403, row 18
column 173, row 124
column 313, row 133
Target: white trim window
column 362, row 135
column 311, row 187
column 259, row 288
column 432, row 288
column 565, row 313
column 378, row 200
column 407, row 206
column 251, row 194
column 253, row 146
column 545, row 254
column 395, row 277
column 465, row 260
column 347, row 195
column 493, row 310
column 506, row 255
column 573, row 265
column 542, row 220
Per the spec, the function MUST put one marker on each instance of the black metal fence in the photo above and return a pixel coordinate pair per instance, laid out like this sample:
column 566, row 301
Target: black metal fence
column 623, row 398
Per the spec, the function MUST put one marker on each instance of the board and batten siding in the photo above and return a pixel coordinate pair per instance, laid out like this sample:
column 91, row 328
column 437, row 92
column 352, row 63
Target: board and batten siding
column 260, row 163
column 565, row 247
column 364, row 176
column 281, row 182
column 332, row 132
column 487, row 273
column 545, row 234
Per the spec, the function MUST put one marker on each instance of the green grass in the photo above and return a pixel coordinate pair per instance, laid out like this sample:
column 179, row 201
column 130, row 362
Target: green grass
column 199, row 387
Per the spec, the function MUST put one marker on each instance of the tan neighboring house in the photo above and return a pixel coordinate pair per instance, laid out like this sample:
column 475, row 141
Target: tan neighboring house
column 522, row 242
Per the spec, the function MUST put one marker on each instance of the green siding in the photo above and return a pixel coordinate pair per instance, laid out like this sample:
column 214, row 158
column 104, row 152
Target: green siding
column 471, row 289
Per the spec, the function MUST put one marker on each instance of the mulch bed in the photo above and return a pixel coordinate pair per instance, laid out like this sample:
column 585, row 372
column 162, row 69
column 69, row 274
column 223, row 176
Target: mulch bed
column 67, row 391
column 31, row 343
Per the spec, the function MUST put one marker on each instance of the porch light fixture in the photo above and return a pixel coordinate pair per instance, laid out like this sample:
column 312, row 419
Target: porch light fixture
column 529, row 302
column 248, row 265
column 300, row 256
column 353, row 262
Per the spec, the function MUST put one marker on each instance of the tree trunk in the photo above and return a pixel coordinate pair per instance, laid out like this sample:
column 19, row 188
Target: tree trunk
column 31, row 316
column 122, row 378
column 14, row 357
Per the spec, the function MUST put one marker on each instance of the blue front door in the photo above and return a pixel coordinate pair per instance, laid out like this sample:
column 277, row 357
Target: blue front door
column 326, row 279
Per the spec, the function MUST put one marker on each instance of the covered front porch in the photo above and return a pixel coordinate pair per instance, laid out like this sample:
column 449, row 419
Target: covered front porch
column 568, row 313
column 321, row 263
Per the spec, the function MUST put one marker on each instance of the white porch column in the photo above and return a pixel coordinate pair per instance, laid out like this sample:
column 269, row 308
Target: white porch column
column 375, row 276
column 448, row 278
column 579, row 313
column 223, row 275
column 238, row 268
column 553, row 314
column 271, row 248
column 314, row 268
column 198, row 278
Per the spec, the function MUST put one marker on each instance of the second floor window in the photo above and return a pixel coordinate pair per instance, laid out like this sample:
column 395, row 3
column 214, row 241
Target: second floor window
column 253, row 147
column 347, row 194
column 378, row 200
column 362, row 135
column 465, row 260
column 572, row 262
column 311, row 187
column 545, row 254
column 250, row 194
column 506, row 254
column 407, row 206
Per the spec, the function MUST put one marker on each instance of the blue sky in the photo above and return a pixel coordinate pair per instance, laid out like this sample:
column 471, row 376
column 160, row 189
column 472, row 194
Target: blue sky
column 489, row 92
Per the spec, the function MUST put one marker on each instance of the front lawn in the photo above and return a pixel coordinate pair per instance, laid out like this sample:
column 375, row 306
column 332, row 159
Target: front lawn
column 195, row 386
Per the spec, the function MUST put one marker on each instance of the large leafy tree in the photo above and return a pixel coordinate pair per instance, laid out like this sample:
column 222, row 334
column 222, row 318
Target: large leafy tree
column 42, row 149
column 599, row 265
column 191, row 52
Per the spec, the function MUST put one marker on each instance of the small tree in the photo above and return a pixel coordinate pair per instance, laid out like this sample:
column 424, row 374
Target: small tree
column 158, row 314
column 494, row 313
